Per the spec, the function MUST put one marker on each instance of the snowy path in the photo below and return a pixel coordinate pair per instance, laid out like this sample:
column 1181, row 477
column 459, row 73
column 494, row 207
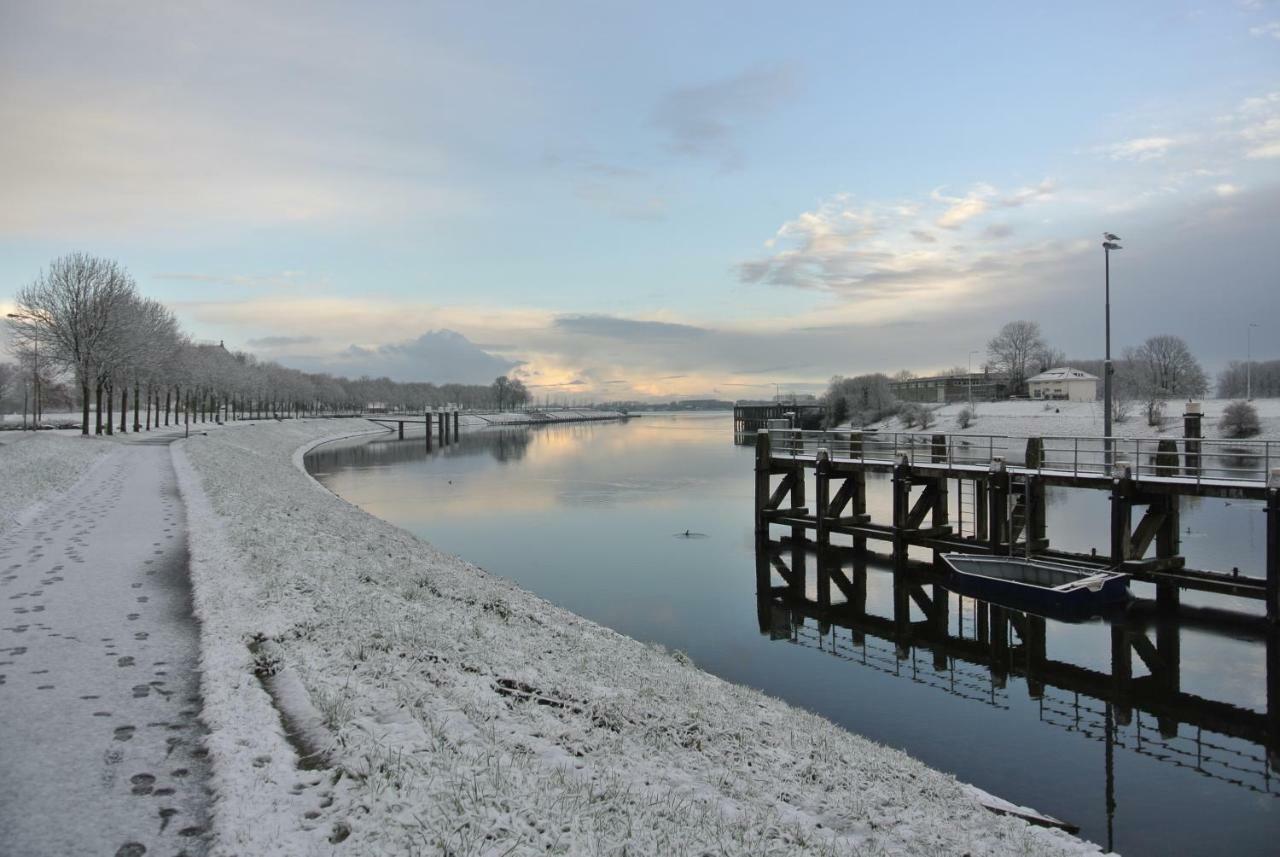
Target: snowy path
column 100, row 738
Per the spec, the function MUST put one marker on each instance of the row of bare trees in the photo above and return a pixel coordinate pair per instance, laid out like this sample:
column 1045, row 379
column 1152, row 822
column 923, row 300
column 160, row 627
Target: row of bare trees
column 84, row 320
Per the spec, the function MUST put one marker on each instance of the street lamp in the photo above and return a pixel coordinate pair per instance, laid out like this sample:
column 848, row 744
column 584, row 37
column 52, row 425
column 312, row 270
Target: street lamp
column 1248, row 361
column 1108, row 244
column 971, row 353
column 35, row 371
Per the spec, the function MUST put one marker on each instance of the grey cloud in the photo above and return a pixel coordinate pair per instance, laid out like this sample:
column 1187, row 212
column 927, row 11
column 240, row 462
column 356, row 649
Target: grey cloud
column 614, row 327
column 438, row 356
column 279, row 341
column 702, row 121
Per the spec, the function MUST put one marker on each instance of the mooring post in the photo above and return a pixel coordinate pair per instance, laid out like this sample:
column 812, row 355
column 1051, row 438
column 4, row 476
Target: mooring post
column 997, row 504
column 400, row 425
column 426, row 422
column 1273, row 545
column 1191, row 437
column 457, row 423
column 797, row 493
column 901, row 504
column 822, row 502
column 762, row 481
column 1121, row 512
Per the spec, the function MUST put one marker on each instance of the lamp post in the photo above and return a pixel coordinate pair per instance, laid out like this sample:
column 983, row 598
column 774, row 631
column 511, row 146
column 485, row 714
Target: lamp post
column 1108, row 244
column 35, row 372
column 970, row 373
column 1248, row 361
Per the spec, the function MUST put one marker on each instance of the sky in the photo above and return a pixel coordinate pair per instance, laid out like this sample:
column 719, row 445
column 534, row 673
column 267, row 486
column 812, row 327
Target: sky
column 657, row 200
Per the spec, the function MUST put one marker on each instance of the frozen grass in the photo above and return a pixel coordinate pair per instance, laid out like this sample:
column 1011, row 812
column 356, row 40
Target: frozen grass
column 465, row 716
column 38, row 466
column 1081, row 419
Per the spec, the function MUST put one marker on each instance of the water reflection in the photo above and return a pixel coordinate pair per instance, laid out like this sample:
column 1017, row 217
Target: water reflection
column 592, row 516
column 969, row 649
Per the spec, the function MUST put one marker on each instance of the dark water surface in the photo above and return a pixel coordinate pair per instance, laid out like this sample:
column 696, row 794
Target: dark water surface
column 593, row 517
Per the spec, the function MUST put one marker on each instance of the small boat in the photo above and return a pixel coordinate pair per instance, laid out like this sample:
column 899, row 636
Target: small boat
column 1035, row 585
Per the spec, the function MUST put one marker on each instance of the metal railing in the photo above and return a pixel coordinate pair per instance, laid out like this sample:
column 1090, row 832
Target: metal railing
column 1186, row 459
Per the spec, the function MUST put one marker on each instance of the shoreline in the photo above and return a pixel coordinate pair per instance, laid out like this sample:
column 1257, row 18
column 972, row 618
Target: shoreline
column 450, row 710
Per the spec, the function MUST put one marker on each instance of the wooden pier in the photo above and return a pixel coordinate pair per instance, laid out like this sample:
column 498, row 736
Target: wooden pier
column 1000, row 505
column 448, row 423
column 749, row 418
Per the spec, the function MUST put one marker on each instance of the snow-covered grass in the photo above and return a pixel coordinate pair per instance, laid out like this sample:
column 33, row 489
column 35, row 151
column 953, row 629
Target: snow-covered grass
column 38, row 466
column 1025, row 418
column 455, row 713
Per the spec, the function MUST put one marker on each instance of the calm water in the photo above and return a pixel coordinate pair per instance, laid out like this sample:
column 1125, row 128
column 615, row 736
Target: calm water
column 593, row 516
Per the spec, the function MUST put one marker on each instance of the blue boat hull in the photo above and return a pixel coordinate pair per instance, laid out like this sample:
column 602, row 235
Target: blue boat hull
column 1030, row 596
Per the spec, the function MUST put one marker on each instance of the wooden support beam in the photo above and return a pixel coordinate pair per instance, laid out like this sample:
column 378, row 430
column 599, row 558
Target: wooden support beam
column 923, row 506
column 1151, row 523
column 1121, row 519
column 822, row 500
column 780, row 493
column 1273, row 551
column 763, row 457
column 797, row 501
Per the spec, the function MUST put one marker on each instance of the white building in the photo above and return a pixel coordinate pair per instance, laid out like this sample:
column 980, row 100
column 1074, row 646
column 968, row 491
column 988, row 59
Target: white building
column 1064, row 383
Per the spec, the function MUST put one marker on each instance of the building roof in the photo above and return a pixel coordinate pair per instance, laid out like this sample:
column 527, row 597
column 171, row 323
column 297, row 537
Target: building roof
column 1063, row 373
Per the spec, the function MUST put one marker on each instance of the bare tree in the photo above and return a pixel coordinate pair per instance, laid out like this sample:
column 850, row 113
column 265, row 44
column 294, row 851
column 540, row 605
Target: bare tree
column 74, row 311
column 1011, row 351
column 1161, row 368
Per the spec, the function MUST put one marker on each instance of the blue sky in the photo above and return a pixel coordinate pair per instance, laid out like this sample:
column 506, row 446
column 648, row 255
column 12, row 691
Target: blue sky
column 653, row 200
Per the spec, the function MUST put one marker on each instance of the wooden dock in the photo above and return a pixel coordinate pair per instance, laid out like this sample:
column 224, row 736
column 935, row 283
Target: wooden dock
column 447, row 424
column 1001, row 505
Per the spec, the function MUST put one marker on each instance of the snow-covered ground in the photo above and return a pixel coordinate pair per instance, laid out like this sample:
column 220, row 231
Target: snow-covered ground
column 1024, row 418
column 100, row 737
column 434, row 708
column 36, row 466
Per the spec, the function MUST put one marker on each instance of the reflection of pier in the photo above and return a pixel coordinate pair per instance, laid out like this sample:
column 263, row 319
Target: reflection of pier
column 970, row 648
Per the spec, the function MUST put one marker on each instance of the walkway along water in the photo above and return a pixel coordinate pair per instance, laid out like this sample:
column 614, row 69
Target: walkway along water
column 100, row 738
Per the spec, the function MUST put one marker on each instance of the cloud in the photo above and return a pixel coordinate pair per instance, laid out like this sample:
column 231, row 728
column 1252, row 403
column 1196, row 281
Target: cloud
column 279, row 280
column 1139, row 148
column 704, row 121
column 1271, row 28
column 636, row 330
column 438, row 356
column 963, row 209
column 280, row 341
column 879, row 254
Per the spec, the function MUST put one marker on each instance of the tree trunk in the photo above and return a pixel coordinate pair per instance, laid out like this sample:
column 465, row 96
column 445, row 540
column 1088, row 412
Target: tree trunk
column 124, row 408
column 137, row 413
column 150, row 395
column 110, row 399
column 97, row 411
column 84, row 408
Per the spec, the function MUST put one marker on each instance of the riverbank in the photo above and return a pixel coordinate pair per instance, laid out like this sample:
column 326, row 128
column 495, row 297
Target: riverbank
column 438, row 708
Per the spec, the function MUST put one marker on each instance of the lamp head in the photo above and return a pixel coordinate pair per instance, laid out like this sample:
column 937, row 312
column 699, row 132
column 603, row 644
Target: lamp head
column 1111, row 245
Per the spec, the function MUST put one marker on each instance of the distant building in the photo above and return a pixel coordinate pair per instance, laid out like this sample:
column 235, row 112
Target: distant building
column 1064, row 383
column 941, row 389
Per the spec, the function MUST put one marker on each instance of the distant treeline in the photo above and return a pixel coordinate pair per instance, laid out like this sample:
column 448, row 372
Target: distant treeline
column 81, row 332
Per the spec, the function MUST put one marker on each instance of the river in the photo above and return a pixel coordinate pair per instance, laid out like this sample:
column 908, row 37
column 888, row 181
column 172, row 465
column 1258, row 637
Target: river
column 646, row 527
